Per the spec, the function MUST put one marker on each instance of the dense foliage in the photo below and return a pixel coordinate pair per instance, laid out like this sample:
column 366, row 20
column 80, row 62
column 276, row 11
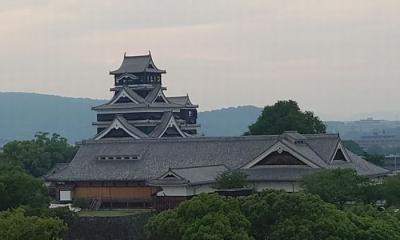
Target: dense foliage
column 203, row 217
column 374, row 158
column 285, row 116
column 15, row 225
column 39, row 155
column 272, row 215
column 391, row 190
column 344, row 186
column 19, row 188
column 339, row 186
column 353, row 147
column 231, row 180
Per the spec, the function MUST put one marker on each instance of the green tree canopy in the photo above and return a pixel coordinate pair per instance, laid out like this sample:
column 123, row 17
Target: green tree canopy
column 339, row 186
column 40, row 154
column 376, row 159
column 14, row 225
column 353, row 147
column 273, row 215
column 286, row 116
column 231, row 180
column 281, row 216
column 19, row 188
column 391, row 190
column 203, row 217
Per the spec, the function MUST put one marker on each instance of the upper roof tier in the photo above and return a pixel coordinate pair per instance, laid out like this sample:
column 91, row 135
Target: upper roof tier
column 137, row 64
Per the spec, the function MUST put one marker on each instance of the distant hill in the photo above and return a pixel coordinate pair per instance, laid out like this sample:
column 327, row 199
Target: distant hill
column 24, row 114
column 231, row 121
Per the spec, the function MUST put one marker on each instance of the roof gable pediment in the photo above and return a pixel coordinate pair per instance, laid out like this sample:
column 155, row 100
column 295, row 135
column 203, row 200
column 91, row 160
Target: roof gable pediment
column 280, row 154
column 340, row 154
column 121, row 128
column 167, row 122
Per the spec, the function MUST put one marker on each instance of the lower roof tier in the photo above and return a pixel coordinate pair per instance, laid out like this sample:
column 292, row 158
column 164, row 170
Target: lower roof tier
column 274, row 157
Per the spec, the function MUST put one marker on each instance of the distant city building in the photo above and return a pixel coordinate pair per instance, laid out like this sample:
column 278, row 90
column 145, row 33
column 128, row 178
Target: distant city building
column 392, row 162
column 377, row 136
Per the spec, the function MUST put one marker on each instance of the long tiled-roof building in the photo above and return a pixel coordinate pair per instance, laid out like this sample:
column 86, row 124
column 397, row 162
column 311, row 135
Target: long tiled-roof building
column 146, row 148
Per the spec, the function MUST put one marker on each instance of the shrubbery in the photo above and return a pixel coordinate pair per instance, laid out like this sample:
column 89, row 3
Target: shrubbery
column 272, row 215
column 16, row 225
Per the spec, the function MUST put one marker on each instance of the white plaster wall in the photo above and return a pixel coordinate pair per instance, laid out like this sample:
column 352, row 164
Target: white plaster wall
column 202, row 189
column 185, row 190
column 173, row 191
column 258, row 186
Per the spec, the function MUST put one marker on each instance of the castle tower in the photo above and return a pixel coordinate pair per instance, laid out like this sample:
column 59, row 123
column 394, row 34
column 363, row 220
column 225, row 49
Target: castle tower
column 139, row 108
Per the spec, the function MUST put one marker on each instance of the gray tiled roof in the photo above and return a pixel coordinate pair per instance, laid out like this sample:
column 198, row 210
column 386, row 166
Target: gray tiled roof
column 160, row 128
column 159, row 155
column 192, row 175
column 135, row 64
column 182, row 100
column 153, row 94
column 129, row 106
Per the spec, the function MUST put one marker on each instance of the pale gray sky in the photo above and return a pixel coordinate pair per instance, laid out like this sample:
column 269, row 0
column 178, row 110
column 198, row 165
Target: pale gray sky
column 336, row 58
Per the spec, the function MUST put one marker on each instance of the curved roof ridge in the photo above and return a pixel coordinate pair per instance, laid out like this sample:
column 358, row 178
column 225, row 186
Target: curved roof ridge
column 131, row 130
column 138, row 63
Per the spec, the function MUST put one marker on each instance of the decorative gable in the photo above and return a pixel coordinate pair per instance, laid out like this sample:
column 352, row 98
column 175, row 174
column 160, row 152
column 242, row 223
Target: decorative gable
column 120, row 128
column 160, row 97
column 123, row 97
column 282, row 158
column 280, row 155
column 172, row 130
column 340, row 154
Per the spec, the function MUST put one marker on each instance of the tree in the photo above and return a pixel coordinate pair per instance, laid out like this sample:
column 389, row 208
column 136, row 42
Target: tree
column 39, row 155
column 391, row 190
column 203, row 217
column 338, row 186
column 231, row 180
column 373, row 224
column 273, row 215
column 15, row 225
column 353, row 147
column 280, row 216
column 19, row 188
column 285, row 116
column 376, row 159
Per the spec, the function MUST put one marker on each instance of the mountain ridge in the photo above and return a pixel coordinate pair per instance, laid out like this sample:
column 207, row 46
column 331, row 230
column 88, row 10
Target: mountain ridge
column 24, row 114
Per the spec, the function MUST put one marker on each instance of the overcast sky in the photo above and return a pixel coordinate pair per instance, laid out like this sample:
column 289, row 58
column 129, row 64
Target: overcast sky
column 335, row 57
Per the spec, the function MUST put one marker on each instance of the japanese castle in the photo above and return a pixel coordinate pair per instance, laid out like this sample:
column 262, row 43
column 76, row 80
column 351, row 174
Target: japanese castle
column 140, row 109
column 147, row 152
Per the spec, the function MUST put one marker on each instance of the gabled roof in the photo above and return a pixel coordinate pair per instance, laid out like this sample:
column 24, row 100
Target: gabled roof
column 182, row 100
column 167, row 121
column 121, row 123
column 191, row 175
column 152, row 96
column 136, row 64
column 127, row 92
column 159, row 155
